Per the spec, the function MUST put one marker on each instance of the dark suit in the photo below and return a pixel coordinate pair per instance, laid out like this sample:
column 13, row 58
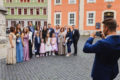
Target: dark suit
column 51, row 31
column 44, row 34
column 31, row 28
column 107, row 53
column 76, row 36
column 37, row 45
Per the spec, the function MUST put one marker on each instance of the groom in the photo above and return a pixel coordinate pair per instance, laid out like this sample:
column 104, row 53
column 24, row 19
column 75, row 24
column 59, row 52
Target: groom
column 76, row 36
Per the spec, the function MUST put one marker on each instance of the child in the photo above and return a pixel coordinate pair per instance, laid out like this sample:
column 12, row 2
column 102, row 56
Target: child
column 37, row 44
column 48, row 45
column 54, row 44
column 42, row 48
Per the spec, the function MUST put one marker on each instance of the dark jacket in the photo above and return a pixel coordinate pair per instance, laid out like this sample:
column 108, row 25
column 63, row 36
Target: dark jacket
column 76, row 35
column 69, row 35
column 51, row 31
column 32, row 30
column 37, row 45
column 107, row 53
column 44, row 34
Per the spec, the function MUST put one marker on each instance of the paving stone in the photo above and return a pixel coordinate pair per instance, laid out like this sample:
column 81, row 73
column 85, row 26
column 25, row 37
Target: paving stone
column 52, row 68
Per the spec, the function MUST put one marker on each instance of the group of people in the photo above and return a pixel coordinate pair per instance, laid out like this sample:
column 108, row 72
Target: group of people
column 45, row 41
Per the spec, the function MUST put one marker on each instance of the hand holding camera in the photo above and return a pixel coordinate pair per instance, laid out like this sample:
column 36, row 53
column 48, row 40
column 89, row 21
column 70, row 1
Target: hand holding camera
column 98, row 34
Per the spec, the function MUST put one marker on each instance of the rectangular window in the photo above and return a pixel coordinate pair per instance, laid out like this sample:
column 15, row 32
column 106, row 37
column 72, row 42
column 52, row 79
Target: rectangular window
column 6, row 23
column 22, row 23
column 25, row 11
column 44, row 11
column 91, row 18
column 42, row 1
column 57, row 18
column 37, row 11
column 7, row 1
column 45, row 23
column 21, row 0
column 28, row 1
column 31, row 11
column 12, row 11
column 13, row 23
column 10, row 1
column 91, row 1
column 19, row 12
column 25, row 0
column 57, row 2
column 72, row 1
column 39, row 1
column 71, row 18
column 109, row 0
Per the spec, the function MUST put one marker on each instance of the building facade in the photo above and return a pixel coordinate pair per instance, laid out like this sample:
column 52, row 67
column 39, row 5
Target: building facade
column 23, row 11
column 2, row 22
column 63, row 12
column 95, row 11
column 86, row 15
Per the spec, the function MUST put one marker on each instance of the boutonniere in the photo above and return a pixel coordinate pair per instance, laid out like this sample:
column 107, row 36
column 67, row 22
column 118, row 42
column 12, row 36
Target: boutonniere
column 17, row 35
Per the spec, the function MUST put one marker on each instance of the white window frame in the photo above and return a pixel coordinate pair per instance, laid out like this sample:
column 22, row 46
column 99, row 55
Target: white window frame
column 71, row 3
column 88, row 1
column 57, row 3
column 69, row 18
column 55, row 18
column 88, row 12
column 109, row 0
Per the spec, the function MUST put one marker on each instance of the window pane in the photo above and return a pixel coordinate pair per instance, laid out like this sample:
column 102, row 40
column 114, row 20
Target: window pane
column 38, row 0
column 42, row 1
column 12, row 11
column 57, row 15
column 90, row 15
column 31, row 11
column 21, row 0
column 90, row 21
column 72, row 1
column 19, row 11
column 44, row 11
column 25, row 11
column 58, row 21
column 37, row 11
column 71, row 15
column 57, row 1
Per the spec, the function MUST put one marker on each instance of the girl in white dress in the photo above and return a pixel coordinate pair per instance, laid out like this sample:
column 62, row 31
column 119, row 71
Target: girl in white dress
column 54, row 44
column 42, row 48
column 48, row 47
column 11, row 55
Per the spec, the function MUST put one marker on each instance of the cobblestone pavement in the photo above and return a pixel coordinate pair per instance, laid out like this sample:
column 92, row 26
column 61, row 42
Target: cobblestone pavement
column 51, row 68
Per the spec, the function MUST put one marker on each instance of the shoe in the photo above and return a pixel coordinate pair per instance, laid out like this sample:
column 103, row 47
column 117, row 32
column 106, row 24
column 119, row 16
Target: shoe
column 46, row 54
column 53, row 54
column 75, row 54
column 68, row 55
column 37, row 56
column 49, row 54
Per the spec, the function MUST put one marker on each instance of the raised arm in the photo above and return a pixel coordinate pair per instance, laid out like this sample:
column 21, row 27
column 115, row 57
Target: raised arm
column 92, row 48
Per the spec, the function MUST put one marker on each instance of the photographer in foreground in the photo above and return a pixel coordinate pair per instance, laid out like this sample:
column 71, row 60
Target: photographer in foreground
column 107, row 52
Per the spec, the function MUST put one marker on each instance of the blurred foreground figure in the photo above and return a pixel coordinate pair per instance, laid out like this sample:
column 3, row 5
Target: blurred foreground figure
column 107, row 52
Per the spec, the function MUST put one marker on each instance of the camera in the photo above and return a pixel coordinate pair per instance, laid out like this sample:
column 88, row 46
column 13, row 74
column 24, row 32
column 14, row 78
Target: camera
column 99, row 33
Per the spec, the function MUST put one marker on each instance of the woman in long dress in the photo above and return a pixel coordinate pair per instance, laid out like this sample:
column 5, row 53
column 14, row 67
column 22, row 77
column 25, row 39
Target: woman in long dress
column 57, row 31
column 19, row 45
column 11, row 56
column 25, row 44
column 68, row 41
column 61, row 42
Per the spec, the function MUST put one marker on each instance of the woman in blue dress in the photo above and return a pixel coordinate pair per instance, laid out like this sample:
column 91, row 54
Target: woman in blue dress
column 19, row 45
